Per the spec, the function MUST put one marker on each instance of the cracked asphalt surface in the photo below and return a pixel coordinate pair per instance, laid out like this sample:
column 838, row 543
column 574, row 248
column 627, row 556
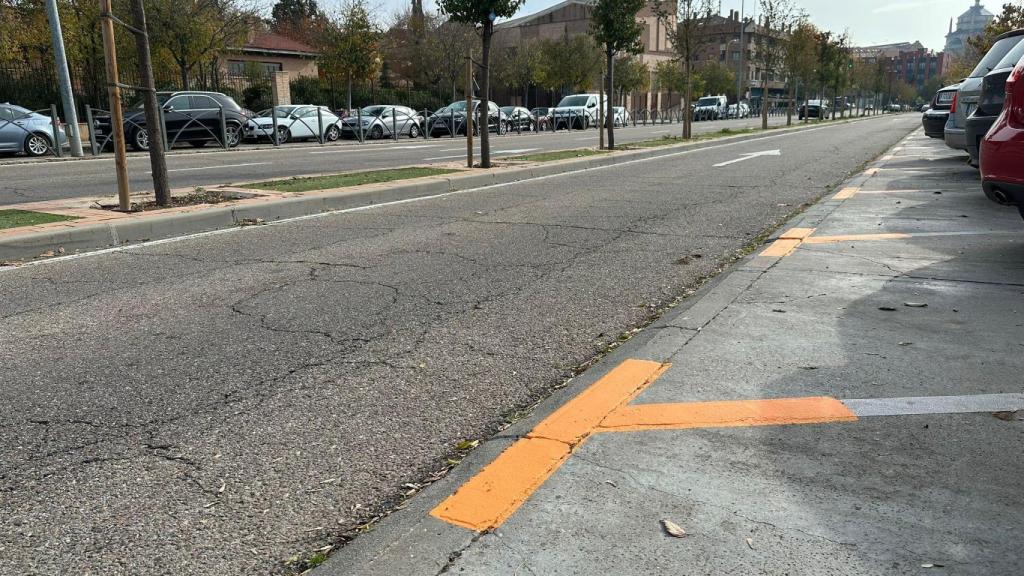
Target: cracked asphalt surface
column 220, row 404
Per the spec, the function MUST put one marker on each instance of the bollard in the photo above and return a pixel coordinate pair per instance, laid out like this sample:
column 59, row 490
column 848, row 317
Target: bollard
column 320, row 124
column 394, row 124
column 426, row 124
column 223, row 128
column 92, row 130
column 452, row 126
column 359, row 122
column 55, row 122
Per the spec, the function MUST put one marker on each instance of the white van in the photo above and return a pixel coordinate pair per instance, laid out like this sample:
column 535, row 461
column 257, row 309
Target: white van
column 578, row 111
column 711, row 108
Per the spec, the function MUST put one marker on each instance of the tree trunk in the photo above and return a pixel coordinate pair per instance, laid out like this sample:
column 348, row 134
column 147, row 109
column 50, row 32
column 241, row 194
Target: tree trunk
column 764, row 100
column 687, row 96
column 609, row 115
column 792, row 100
column 184, row 75
column 485, row 86
column 157, row 161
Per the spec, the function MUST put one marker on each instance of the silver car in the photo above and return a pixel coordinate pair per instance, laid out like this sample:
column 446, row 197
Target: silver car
column 970, row 90
column 22, row 130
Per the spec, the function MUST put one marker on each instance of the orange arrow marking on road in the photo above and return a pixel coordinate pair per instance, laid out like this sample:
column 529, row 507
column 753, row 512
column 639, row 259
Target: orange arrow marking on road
column 501, row 487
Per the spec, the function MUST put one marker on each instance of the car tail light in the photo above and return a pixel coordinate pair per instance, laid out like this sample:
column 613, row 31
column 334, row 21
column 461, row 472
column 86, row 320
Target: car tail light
column 1015, row 96
column 952, row 107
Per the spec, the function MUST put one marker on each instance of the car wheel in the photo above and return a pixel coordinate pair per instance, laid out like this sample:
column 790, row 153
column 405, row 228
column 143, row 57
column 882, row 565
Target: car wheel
column 197, row 143
column 234, row 134
column 37, row 144
column 502, row 128
column 332, row 134
column 376, row 133
column 414, row 131
column 140, row 140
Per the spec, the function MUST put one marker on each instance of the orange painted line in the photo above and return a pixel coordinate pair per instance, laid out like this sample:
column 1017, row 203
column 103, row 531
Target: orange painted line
column 811, row 410
column 490, row 497
column 846, row 193
column 497, row 491
column 576, row 419
column 797, row 233
column 855, row 238
column 780, row 248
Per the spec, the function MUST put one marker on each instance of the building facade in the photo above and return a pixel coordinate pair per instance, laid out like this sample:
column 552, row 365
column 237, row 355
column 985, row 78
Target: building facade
column 971, row 23
column 270, row 53
column 724, row 48
column 908, row 62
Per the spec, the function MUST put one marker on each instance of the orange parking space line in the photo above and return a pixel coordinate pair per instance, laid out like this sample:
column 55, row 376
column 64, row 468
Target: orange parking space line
column 490, row 497
column 576, row 419
column 780, row 248
column 810, row 410
column 501, row 487
column 797, row 233
column 856, row 237
column 846, row 193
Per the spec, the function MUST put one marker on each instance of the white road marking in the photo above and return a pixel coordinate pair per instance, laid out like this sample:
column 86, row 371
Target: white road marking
column 283, row 221
column 936, row 404
column 214, row 167
column 750, row 155
column 377, row 148
column 477, row 152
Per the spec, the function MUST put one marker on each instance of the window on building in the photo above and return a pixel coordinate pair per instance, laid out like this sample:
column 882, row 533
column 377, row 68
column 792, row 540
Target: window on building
column 236, row 67
column 271, row 67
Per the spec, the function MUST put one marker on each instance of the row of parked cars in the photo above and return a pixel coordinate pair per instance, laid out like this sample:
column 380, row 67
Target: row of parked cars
column 984, row 115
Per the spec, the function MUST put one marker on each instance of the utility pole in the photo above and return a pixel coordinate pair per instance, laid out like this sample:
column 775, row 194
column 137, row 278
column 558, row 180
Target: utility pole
column 66, row 95
column 741, row 73
column 116, row 114
column 157, row 160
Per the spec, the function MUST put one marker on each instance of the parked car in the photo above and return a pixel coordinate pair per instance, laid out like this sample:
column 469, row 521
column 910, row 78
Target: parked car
column 740, row 110
column 22, row 130
column 383, row 121
column 296, row 122
column 814, row 109
column 578, row 111
column 543, row 116
column 934, row 119
column 519, row 118
column 452, row 119
column 192, row 117
column 711, row 108
column 622, row 116
column 1002, row 150
column 969, row 93
column 990, row 104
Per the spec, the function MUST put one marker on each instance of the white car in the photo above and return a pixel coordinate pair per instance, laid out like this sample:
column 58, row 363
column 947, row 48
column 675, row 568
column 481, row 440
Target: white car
column 742, row 110
column 577, row 111
column 296, row 122
column 622, row 117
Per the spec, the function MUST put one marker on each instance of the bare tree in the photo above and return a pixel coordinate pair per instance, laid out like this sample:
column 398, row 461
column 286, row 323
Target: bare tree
column 777, row 19
column 688, row 31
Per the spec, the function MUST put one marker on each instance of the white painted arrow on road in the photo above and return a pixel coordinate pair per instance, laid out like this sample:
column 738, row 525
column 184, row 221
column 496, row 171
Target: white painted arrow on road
column 750, row 155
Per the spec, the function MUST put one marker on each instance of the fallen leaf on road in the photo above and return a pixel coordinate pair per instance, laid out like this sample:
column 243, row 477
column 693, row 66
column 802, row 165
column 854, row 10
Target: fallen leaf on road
column 929, row 565
column 467, row 444
column 1008, row 416
column 905, row 343
column 612, row 484
column 250, row 222
column 46, row 254
column 915, row 304
column 779, row 310
column 223, row 485
column 750, row 543
column 886, row 308
column 673, row 529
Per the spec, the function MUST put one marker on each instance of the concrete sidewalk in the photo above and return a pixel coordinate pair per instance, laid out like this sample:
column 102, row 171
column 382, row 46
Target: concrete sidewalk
column 847, row 400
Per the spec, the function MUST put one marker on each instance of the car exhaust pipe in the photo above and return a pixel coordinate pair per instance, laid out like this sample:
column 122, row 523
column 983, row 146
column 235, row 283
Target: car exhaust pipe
column 999, row 196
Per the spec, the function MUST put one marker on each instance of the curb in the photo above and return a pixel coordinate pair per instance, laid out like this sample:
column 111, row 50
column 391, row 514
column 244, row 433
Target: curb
column 64, row 240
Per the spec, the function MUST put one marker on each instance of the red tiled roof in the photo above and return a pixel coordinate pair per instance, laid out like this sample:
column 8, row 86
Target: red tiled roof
column 271, row 42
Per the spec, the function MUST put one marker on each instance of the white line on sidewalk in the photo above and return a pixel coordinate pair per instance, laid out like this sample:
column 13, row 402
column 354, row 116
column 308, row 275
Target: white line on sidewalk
column 215, row 167
column 935, row 404
column 377, row 148
column 463, row 155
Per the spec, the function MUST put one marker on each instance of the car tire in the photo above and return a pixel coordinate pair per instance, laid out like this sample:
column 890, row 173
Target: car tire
column 233, row 134
column 502, row 128
column 283, row 134
column 376, row 133
column 414, row 131
column 140, row 140
column 37, row 144
column 198, row 143
column 332, row 134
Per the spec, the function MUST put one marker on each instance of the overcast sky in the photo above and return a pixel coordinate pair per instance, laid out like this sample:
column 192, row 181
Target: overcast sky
column 868, row 21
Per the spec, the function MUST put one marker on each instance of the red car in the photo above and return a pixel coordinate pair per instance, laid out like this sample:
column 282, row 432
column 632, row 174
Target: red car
column 1002, row 150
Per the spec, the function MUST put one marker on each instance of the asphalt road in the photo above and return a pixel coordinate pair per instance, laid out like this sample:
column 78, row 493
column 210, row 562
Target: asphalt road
column 27, row 182
column 219, row 404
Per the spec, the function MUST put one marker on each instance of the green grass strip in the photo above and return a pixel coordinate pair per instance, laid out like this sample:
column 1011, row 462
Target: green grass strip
column 350, row 179
column 559, row 155
column 19, row 218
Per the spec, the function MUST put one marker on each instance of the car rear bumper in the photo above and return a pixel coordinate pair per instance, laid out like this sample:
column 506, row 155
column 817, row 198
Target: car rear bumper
column 977, row 127
column 935, row 124
column 955, row 138
column 1005, row 193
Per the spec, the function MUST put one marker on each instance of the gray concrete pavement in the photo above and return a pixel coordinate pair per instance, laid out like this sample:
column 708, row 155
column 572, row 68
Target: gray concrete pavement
column 36, row 181
column 921, row 332
column 221, row 404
